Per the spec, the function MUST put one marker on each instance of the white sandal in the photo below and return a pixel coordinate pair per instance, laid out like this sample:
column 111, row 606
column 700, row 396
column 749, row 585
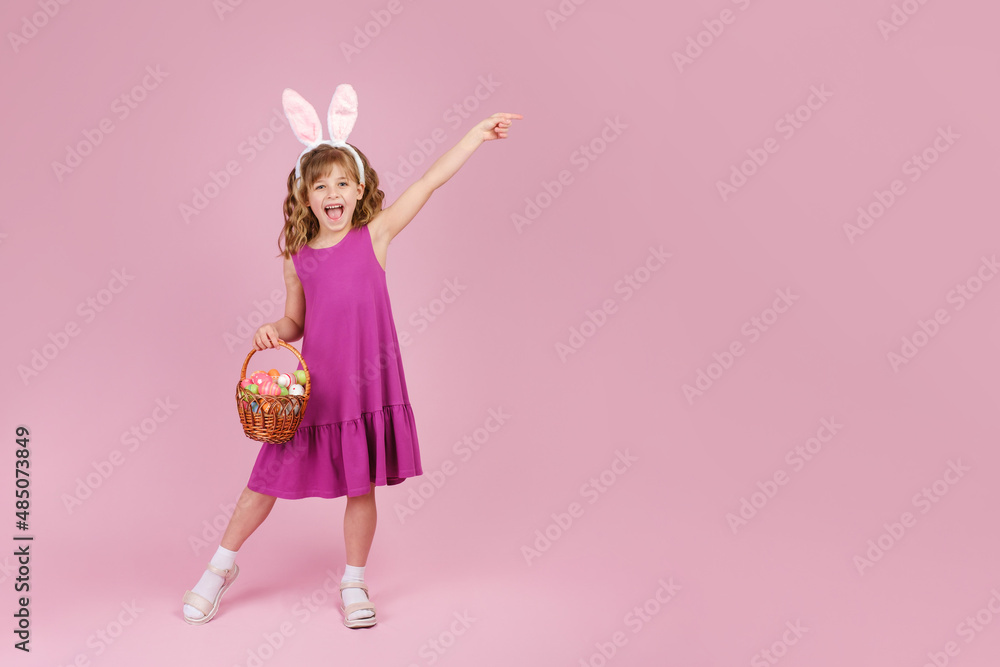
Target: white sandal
column 356, row 606
column 208, row 607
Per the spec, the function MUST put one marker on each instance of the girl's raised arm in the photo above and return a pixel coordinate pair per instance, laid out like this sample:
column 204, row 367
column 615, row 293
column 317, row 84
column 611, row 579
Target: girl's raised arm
column 394, row 218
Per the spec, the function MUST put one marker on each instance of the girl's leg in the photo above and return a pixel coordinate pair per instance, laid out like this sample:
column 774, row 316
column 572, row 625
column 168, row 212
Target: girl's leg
column 251, row 510
column 360, row 518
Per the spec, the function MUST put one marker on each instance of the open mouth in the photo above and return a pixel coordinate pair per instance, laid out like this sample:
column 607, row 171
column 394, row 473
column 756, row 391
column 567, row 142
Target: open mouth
column 334, row 211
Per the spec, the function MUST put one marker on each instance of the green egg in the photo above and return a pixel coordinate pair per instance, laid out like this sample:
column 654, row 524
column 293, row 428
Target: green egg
column 252, row 388
column 284, row 391
column 301, row 377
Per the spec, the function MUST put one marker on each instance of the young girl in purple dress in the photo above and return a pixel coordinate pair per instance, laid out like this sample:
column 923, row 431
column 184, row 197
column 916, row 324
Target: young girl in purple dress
column 358, row 429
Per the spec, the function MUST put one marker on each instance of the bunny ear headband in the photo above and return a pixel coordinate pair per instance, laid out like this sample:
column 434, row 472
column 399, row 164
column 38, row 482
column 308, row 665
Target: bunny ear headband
column 340, row 120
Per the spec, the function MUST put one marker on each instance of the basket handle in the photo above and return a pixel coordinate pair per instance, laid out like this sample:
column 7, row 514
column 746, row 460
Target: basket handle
column 243, row 371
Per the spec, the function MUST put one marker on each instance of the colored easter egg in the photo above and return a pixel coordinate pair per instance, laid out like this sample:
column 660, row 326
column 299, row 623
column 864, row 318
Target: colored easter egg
column 297, row 390
column 260, row 377
column 300, row 376
column 285, row 380
column 274, row 372
column 284, row 391
column 252, row 388
column 253, row 406
column 270, row 389
column 245, row 381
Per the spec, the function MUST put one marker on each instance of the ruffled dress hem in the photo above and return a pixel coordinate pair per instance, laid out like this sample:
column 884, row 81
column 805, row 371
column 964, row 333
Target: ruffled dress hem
column 341, row 458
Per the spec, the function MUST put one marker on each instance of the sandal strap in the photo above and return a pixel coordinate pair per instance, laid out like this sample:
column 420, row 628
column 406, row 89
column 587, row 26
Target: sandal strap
column 355, row 606
column 354, row 584
column 219, row 571
column 199, row 602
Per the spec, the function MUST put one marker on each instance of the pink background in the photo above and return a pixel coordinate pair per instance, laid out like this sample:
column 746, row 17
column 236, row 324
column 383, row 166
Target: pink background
column 168, row 334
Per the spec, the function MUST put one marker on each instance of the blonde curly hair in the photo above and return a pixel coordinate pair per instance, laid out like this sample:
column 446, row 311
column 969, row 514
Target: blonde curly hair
column 301, row 225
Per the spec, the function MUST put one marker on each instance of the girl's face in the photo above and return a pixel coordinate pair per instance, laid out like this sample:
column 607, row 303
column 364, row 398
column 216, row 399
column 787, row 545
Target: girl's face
column 333, row 199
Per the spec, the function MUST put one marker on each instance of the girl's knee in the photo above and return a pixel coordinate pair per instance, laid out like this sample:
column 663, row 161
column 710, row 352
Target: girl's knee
column 249, row 498
column 367, row 496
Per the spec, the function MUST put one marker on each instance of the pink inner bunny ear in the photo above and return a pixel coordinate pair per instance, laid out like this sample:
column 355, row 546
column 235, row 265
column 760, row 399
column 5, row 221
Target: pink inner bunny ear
column 302, row 117
column 343, row 112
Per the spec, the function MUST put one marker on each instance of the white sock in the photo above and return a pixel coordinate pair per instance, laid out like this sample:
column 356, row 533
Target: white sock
column 352, row 595
column 210, row 583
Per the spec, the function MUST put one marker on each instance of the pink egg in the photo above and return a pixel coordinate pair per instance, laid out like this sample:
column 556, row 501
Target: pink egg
column 260, row 377
column 245, row 381
column 270, row 389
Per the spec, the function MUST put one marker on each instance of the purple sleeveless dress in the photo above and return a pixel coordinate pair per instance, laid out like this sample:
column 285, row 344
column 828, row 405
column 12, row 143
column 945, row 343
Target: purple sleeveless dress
column 358, row 426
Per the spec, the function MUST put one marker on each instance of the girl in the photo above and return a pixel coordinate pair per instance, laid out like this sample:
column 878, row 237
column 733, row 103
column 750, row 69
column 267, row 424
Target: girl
column 358, row 429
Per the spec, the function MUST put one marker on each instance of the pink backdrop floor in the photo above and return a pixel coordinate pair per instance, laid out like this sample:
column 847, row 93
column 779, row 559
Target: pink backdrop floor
column 703, row 356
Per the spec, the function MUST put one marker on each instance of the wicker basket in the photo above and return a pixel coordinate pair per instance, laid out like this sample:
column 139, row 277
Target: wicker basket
column 275, row 418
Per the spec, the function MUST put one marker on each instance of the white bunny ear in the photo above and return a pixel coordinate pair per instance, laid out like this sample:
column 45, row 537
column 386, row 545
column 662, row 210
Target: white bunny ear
column 343, row 112
column 302, row 117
